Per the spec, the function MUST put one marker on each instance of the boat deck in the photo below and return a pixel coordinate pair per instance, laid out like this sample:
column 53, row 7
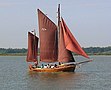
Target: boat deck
column 61, row 68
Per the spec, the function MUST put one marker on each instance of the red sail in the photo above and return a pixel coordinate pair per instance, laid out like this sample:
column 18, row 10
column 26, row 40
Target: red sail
column 70, row 42
column 32, row 48
column 48, row 38
column 64, row 54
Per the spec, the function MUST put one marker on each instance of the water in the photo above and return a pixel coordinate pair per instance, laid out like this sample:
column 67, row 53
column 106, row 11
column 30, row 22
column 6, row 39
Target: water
column 14, row 75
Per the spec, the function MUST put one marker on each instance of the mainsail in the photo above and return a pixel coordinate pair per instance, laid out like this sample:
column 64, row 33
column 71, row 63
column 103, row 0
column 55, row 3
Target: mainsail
column 32, row 48
column 70, row 42
column 48, row 38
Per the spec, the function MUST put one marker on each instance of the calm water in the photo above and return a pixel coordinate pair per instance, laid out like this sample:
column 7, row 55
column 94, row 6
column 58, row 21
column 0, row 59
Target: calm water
column 14, row 75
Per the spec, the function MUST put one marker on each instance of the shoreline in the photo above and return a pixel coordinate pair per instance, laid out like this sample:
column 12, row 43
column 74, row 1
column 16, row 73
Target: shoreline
column 14, row 54
column 24, row 54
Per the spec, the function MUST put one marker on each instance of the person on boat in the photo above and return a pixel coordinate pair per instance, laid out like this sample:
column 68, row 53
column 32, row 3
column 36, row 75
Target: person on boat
column 59, row 63
column 48, row 66
column 42, row 66
column 55, row 65
column 36, row 64
column 45, row 66
column 52, row 66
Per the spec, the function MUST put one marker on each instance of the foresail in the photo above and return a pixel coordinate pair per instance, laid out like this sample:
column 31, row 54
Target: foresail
column 70, row 42
column 64, row 55
column 48, row 38
column 32, row 48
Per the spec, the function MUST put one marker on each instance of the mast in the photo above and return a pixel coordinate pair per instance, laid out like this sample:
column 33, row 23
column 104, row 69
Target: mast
column 58, row 31
column 34, row 35
column 34, row 47
column 58, row 17
column 34, row 39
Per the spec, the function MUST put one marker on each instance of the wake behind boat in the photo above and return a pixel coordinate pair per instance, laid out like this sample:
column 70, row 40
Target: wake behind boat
column 56, row 45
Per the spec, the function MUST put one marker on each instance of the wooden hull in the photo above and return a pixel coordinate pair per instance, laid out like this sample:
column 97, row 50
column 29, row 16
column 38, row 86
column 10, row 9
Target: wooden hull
column 65, row 68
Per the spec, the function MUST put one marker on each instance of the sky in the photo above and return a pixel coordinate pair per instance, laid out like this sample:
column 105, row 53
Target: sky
column 88, row 20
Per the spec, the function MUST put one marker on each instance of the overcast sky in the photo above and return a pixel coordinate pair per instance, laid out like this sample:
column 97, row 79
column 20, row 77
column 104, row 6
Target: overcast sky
column 88, row 20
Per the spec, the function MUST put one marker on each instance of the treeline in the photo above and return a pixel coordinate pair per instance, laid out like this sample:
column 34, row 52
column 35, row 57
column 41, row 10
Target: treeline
column 14, row 51
column 89, row 50
column 98, row 50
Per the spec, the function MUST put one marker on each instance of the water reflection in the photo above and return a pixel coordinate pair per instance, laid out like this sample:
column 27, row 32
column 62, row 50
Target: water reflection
column 56, row 81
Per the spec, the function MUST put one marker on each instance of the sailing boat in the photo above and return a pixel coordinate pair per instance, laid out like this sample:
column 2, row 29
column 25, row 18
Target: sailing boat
column 56, row 46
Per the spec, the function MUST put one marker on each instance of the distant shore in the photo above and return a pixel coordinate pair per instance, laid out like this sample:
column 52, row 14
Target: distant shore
column 14, row 54
column 24, row 54
column 23, row 51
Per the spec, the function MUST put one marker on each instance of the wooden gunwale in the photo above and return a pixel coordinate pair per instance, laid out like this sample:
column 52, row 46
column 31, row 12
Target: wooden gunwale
column 65, row 68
